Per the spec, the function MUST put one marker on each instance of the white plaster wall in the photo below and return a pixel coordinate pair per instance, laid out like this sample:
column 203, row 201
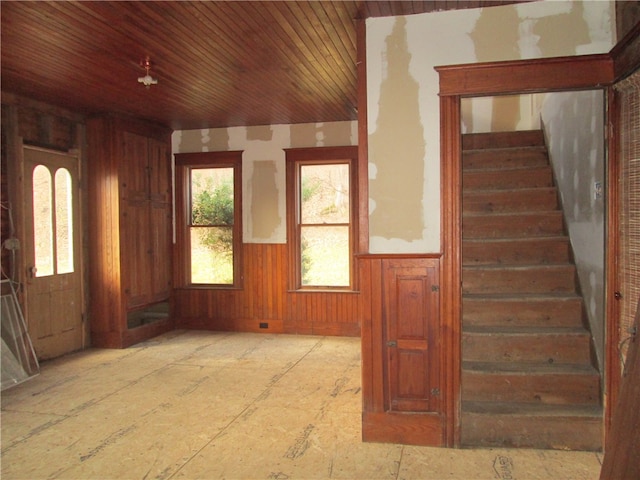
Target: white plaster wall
column 265, row 144
column 481, row 110
column 446, row 38
column 574, row 129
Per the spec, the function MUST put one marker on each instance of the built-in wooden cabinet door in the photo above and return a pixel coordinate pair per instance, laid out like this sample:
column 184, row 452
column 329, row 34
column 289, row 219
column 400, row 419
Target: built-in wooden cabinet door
column 134, row 167
column 411, row 319
column 160, row 274
column 159, row 171
column 135, row 254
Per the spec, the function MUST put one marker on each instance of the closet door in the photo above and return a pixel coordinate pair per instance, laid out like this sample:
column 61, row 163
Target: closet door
column 411, row 318
column 134, row 167
column 136, row 254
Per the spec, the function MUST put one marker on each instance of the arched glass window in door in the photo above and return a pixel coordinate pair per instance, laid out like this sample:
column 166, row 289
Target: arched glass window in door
column 64, row 223
column 52, row 221
column 42, row 221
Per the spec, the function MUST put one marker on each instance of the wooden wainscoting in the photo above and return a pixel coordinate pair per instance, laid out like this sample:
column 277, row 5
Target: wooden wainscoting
column 264, row 303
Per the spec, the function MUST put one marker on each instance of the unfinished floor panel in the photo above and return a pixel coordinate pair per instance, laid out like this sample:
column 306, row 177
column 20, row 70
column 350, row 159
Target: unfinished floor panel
column 527, row 376
column 205, row 405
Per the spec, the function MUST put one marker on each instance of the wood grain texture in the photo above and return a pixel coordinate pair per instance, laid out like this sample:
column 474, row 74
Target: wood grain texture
column 294, row 61
column 265, row 299
column 129, row 233
column 403, row 399
column 524, row 76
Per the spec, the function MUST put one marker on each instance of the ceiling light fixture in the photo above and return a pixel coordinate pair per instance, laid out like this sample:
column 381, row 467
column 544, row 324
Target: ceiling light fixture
column 147, row 80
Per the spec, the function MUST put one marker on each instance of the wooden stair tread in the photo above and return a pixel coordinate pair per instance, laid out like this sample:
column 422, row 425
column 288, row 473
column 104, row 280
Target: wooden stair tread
column 529, row 368
column 523, row 268
column 502, row 191
column 510, row 168
column 545, row 238
column 533, row 409
column 519, row 330
column 520, row 138
column 533, row 297
column 551, row 213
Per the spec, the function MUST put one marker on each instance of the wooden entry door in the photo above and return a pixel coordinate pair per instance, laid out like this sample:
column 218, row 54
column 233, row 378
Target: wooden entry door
column 54, row 305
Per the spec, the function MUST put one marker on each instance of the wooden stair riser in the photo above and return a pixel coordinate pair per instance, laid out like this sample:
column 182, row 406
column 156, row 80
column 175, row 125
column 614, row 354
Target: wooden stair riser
column 505, row 201
column 516, row 252
column 507, row 179
column 531, row 431
column 547, row 348
column 527, row 387
column 506, row 158
column 555, row 279
column 517, row 225
column 522, row 312
column 524, row 138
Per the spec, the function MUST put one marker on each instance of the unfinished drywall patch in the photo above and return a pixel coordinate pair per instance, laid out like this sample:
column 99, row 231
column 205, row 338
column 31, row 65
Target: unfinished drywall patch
column 505, row 111
column 488, row 44
column 554, row 38
column 397, row 148
column 201, row 140
column 332, row 134
column 265, row 218
column 263, row 133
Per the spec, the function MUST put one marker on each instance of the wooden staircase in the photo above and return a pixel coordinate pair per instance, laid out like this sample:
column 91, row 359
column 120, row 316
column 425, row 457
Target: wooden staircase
column 528, row 378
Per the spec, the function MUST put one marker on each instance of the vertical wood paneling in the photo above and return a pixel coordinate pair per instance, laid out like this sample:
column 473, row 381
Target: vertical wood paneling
column 264, row 298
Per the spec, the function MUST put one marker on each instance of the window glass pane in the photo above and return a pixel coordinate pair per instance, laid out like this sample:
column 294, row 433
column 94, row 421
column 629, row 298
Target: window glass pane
column 42, row 221
column 212, row 255
column 212, row 196
column 64, row 222
column 325, row 193
column 325, row 256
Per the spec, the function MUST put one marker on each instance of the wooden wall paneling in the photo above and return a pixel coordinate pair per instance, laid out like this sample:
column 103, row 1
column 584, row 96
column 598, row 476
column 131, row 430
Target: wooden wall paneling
column 266, row 299
column 107, row 306
column 371, row 305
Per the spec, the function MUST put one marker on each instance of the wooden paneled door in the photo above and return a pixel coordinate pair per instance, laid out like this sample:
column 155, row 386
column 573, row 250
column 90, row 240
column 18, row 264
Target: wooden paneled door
column 411, row 307
column 403, row 351
column 54, row 305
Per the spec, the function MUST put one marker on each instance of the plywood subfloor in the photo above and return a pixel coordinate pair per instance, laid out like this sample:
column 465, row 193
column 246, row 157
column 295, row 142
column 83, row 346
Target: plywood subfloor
column 206, row 405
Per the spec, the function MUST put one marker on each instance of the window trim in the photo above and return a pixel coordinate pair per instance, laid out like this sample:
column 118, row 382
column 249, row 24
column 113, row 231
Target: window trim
column 319, row 156
column 184, row 162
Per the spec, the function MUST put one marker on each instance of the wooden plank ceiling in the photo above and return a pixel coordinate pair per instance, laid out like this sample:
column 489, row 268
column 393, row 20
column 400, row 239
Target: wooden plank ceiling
column 218, row 63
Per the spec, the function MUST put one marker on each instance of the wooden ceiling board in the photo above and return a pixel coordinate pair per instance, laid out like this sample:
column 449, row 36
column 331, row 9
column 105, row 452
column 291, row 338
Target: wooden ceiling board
column 218, row 63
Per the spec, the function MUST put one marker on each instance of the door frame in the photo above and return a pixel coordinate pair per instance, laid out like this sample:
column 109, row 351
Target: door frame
column 18, row 172
column 504, row 78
